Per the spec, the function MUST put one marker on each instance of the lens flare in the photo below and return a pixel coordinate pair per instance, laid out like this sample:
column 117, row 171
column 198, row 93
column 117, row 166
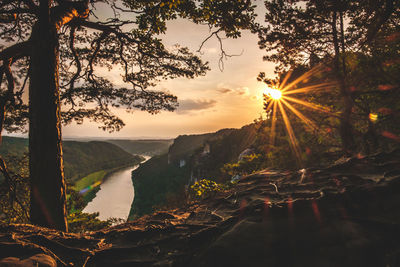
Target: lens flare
column 277, row 100
column 273, row 93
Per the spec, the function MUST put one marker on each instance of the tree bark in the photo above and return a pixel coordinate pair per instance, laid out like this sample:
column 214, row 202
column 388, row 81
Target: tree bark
column 48, row 191
column 346, row 127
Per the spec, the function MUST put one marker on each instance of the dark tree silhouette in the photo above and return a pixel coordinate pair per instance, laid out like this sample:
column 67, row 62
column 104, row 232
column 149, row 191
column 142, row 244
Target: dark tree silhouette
column 55, row 47
column 305, row 32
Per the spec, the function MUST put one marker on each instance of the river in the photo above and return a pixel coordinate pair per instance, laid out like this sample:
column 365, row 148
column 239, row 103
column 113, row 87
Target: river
column 115, row 197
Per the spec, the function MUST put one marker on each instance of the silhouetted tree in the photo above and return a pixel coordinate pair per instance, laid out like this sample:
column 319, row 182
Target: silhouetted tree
column 299, row 32
column 56, row 47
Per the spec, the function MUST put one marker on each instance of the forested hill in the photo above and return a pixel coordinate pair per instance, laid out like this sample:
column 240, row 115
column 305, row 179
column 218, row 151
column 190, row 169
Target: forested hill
column 143, row 147
column 162, row 179
column 80, row 158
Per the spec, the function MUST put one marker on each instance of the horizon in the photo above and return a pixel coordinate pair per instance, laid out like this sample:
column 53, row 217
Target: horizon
column 135, row 138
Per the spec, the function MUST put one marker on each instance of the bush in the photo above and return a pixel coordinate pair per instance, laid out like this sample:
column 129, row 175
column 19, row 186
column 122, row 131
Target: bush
column 247, row 165
column 205, row 188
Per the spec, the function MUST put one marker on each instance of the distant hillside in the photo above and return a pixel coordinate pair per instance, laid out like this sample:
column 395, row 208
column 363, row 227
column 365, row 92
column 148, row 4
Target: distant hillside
column 154, row 182
column 143, row 147
column 163, row 179
column 80, row 158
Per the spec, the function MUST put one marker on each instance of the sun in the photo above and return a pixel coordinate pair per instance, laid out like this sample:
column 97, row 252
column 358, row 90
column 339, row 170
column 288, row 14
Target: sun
column 275, row 94
column 277, row 100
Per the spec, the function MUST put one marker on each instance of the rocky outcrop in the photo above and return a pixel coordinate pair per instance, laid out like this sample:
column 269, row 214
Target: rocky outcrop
column 344, row 215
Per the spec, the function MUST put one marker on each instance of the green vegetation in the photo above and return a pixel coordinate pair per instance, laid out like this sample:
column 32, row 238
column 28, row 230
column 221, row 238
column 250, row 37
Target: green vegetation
column 90, row 180
column 83, row 158
column 156, row 184
column 95, row 160
column 163, row 182
column 14, row 193
column 246, row 165
column 143, row 147
column 80, row 158
column 80, row 222
column 206, row 188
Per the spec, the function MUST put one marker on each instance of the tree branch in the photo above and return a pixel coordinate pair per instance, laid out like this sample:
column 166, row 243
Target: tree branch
column 16, row 51
column 378, row 21
column 67, row 11
column 105, row 28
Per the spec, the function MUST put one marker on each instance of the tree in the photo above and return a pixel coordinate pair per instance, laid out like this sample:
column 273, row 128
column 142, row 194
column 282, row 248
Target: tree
column 300, row 32
column 57, row 46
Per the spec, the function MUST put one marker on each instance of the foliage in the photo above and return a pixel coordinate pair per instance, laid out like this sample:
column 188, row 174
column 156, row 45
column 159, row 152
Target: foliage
column 14, row 204
column 80, row 222
column 205, row 188
column 154, row 182
column 302, row 34
column 57, row 47
column 90, row 180
column 80, row 158
column 83, row 158
column 14, row 193
column 126, row 40
column 160, row 182
column 316, row 148
column 247, row 165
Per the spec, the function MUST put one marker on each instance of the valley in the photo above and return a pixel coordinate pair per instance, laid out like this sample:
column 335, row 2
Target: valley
column 90, row 167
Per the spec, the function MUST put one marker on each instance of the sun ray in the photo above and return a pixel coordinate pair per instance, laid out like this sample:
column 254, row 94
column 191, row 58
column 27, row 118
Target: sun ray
column 278, row 99
column 269, row 106
column 272, row 135
column 322, row 86
column 303, row 77
column 293, row 140
column 285, row 80
column 307, row 104
column 306, row 120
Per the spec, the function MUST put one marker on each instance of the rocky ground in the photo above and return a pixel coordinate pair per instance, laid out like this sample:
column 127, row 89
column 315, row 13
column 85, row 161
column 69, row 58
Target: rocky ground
column 344, row 215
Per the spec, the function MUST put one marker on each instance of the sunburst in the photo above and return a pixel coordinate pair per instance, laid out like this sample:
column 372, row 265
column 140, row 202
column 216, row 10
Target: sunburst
column 277, row 99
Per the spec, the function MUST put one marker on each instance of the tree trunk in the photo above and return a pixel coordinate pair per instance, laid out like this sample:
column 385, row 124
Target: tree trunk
column 48, row 196
column 346, row 127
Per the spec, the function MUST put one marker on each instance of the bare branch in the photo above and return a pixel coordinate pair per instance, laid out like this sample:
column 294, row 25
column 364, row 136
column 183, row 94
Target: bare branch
column 208, row 38
column 223, row 55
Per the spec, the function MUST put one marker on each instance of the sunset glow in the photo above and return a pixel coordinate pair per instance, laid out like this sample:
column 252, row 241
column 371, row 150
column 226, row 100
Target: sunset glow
column 276, row 100
column 273, row 93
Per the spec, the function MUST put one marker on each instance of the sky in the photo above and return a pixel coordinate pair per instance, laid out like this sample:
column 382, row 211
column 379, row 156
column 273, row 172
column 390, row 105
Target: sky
column 230, row 98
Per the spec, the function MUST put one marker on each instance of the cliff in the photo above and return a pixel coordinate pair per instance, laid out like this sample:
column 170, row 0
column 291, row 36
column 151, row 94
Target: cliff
column 345, row 215
column 163, row 180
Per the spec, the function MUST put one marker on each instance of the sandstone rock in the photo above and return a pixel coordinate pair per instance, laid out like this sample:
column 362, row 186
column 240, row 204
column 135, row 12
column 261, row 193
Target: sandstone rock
column 344, row 215
column 38, row 260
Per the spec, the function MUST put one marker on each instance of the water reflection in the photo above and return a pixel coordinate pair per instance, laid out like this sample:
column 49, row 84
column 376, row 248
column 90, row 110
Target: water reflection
column 115, row 196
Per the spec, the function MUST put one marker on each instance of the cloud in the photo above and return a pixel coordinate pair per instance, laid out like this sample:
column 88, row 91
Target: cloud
column 189, row 105
column 241, row 91
column 224, row 90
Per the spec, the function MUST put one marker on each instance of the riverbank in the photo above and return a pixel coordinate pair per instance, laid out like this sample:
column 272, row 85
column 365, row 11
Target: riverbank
column 114, row 196
column 89, row 185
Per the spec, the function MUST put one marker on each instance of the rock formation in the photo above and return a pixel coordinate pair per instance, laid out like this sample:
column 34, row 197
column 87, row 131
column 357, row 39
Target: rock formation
column 344, row 215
